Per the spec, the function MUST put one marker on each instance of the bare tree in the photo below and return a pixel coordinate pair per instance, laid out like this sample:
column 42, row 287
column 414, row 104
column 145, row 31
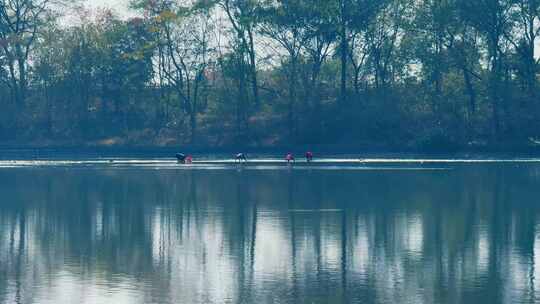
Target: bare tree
column 524, row 39
column 20, row 22
column 492, row 19
column 284, row 23
column 186, row 45
column 243, row 19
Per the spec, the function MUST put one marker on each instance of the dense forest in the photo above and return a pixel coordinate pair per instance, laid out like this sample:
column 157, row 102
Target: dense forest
column 388, row 74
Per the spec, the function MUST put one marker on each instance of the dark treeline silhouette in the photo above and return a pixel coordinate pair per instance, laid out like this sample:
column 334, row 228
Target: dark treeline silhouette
column 372, row 73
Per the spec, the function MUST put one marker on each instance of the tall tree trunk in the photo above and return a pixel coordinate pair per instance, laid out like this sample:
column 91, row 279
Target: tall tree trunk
column 22, row 86
column 531, row 64
column 21, row 65
column 253, row 69
column 14, row 84
column 49, row 110
column 494, row 83
column 357, row 81
column 315, row 93
column 292, row 99
column 494, row 97
column 193, row 125
column 343, row 51
column 470, row 91
column 242, row 104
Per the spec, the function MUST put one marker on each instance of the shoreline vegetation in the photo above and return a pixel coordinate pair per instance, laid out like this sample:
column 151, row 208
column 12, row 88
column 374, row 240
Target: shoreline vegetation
column 51, row 148
column 361, row 75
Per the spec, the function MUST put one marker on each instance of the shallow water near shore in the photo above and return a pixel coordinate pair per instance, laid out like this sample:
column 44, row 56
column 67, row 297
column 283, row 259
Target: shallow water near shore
column 140, row 230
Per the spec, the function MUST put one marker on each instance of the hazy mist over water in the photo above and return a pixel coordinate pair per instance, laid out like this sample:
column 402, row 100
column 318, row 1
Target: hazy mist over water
column 121, row 235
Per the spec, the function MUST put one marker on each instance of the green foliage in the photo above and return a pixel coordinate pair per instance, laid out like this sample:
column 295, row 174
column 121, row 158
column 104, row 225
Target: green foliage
column 430, row 74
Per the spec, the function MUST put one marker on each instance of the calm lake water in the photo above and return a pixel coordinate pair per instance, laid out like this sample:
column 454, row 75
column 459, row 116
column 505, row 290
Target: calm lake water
column 443, row 233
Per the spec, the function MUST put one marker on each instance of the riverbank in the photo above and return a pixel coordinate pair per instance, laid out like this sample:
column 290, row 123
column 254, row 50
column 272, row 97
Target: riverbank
column 32, row 150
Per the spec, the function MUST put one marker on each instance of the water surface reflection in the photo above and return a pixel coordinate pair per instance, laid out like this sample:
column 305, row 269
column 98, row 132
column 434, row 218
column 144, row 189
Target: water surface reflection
column 469, row 235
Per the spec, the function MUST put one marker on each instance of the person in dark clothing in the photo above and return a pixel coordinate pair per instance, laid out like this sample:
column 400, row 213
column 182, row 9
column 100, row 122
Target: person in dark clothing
column 240, row 157
column 181, row 157
column 309, row 156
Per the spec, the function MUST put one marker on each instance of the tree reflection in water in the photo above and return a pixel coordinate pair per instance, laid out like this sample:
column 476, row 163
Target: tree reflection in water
column 291, row 236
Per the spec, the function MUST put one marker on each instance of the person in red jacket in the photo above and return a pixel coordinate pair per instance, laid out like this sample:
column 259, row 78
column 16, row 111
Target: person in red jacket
column 289, row 157
column 309, row 156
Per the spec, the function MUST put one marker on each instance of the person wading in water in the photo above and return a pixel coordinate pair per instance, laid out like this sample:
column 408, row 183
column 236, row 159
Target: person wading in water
column 181, row 157
column 290, row 158
column 240, row 157
column 309, row 156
